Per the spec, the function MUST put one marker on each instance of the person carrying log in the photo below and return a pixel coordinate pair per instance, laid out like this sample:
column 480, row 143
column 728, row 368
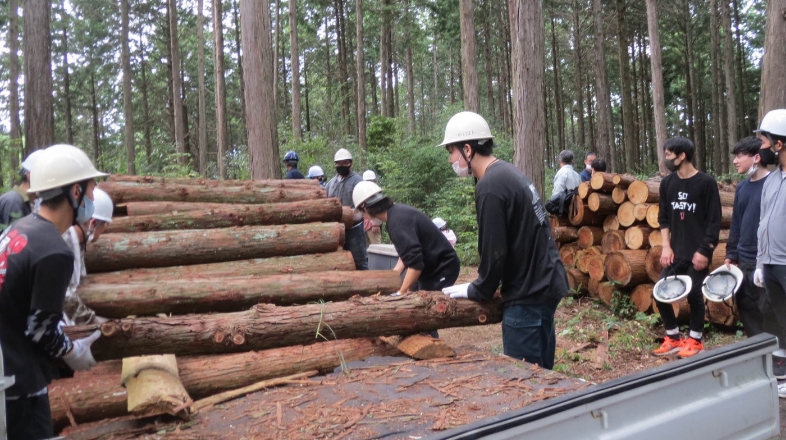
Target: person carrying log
column 771, row 250
column 37, row 266
column 16, row 203
column 290, row 162
column 341, row 187
column 517, row 251
column 690, row 220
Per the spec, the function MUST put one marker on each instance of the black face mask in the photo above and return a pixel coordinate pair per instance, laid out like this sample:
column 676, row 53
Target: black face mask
column 670, row 165
column 342, row 171
column 767, row 156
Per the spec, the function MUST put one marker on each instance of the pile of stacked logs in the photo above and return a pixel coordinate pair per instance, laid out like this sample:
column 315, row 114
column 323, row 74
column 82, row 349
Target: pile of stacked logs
column 242, row 281
column 611, row 242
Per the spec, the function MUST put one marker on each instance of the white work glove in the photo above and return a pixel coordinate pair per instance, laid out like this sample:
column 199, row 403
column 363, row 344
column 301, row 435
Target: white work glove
column 80, row 358
column 396, row 294
column 758, row 277
column 456, row 292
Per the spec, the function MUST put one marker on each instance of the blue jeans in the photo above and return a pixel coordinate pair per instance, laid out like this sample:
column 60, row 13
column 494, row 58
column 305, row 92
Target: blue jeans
column 355, row 242
column 528, row 333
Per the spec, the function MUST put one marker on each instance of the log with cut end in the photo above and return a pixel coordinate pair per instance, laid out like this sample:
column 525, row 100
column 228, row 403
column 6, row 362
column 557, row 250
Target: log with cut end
column 611, row 223
column 718, row 256
column 589, row 236
column 655, row 238
column 625, row 214
column 642, row 297
column 644, row 191
column 623, row 180
column 97, row 394
column 652, row 263
column 196, row 246
column 564, row 234
column 268, row 326
column 637, row 237
column 603, row 182
column 640, row 211
column 626, row 267
column 719, row 313
column 578, row 281
column 596, row 267
column 584, row 190
column 652, row 216
column 594, row 288
column 425, row 347
column 723, row 236
column 601, row 203
column 726, row 198
column 581, row 215
column 619, row 195
column 230, row 295
column 307, row 211
column 297, row 264
column 606, row 292
column 726, row 213
column 567, row 254
column 124, row 192
column 613, row 241
column 269, row 183
column 153, row 385
column 582, row 258
column 556, row 221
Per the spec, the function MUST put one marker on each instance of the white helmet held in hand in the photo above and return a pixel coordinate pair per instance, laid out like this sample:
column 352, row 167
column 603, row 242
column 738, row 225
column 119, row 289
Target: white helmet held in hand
column 466, row 126
column 31, row 159
column 103, row 205
column 369, row 175
column 366, row 193
column 342, row 154
column 722, row 283
column 774, row 122
column 439, row 222
column 61, row 165
column 672, row 288
column 315, row 171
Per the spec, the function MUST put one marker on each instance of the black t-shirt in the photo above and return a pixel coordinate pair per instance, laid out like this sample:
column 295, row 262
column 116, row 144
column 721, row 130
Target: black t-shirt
column 691, row 210
column 514, row 241
column 12, row 207
column 294, row 173
column 420, row 244
column 35, row 268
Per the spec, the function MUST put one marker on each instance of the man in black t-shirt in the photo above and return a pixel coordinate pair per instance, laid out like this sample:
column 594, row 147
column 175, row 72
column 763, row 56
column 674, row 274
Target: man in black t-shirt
column 35, row 269
column 517, row 252
column 690, row 220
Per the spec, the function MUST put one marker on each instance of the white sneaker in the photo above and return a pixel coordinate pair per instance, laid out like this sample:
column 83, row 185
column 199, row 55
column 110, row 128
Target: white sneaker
column 782, row 390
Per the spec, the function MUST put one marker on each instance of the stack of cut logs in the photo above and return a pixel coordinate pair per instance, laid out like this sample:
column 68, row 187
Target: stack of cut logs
column 611, row 241
column 235, row 278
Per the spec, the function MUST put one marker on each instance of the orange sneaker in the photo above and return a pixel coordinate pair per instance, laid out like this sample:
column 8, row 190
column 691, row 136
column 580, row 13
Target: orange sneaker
column 669, row 346
column 690, row 347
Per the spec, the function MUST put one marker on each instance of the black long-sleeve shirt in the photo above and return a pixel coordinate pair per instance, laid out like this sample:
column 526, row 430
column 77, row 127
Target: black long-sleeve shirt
column 514, row 240
column 691, row 210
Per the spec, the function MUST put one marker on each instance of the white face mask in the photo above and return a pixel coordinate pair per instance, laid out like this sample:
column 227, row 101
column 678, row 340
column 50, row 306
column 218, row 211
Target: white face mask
column 461, row 172
column 589, row 167
column 752, row 170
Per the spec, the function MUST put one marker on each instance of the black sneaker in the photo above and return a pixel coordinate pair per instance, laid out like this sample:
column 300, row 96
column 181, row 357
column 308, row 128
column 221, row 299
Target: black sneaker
column 779, row 367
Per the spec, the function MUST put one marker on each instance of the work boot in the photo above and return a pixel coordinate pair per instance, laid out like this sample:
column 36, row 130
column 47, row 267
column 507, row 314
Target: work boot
column 779, row 367
column 669, row 346
column 691, row 347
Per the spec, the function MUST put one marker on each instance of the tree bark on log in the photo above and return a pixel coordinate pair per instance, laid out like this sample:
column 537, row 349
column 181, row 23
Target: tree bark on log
column 564, row 234
column 594, row 288
column 268, row 326
column 644, row 191
column 637, row 237
column 170, row 248
column 580, row 214
column 97, row 394
column 270, row 183
column 718, row 257
column 611, row 223
column 652, row 263
column 578, row 281
column 124, row 192
column 582, row 258
column 719, row 313
column 726, row 213
column 625, row 214
column 642, row 297
column 601, row 203
column 231, row 295
column 627, row 267
column 308, row 211
column 589, row 236
column 623, row 180
column 556, row 222
column 567, row 254
column 296, row 264
column 723, row 236
column 619, row 195
column 596, row 267
column 584, row 190
column 606, row 292
column 613, row 241
column 602, row 182
column 652, row 216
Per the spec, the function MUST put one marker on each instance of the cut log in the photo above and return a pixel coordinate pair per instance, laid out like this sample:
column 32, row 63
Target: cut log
column 641, row 297
column 124, row 192
column 97, row 394
column 425, row 347
column 652, row 263
column 603, row 182
column 718, row 256
column 606, row 292
column 268, row 326
column 640, row 211
column 148, row 208
column 626, row 267
column 567, row 254
column 584, row 190
column 153, row 385
column 298, row 264
column 601, row 203
column 589, row 236
column 578, row 282
column 625, row 214
column 655, row 238
column 611, row 223
column 170, row 248
column 582, row 258
column 623, row 180
column 726, row 213
column 613, row 241
column 637, row 237
column 723, row 236
column 619, row 195
column 230, row 295
column 558, row 221
column 595, row 267
column 644, row 191
column 727, row 198
column 309, row 211
column 271, row 183
column 580, row 214
column 719, row 313
column 564, row 234
column 594, row 288
column 347, row 217
column 652, row 215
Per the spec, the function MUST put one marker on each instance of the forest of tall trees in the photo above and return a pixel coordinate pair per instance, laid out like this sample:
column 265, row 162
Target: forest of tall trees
column 223, row 88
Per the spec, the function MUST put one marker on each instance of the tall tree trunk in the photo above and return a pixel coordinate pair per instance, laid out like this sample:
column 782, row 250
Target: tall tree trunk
column 39, row 104
column 202, row 100
column 627, row 105
column 410, row 77
column 527, row 59
column 391, row 90
column 577, row 72
column 96, row 125
column 279, row 54
column 177, row 101
column 742, row 114
column 639, row 100
column 13, row 92
column 305, row 93
column 361, row 82
column 731, row 96
column 717, row 144
column 145, row 103
column 128, row 104
column 658, row 94
column 297, row 123
column 696, row 132
column 241, row 74
column 383, row 57
column 170, row 69
column 602, row 97
column 773, row 87
column 346, row 89
column 276, row 45
column 559, row 108
column 469, row 69
column 487, row 44
column 66, row 78
column 220, row 89
column 260, row 120
column 328, row 76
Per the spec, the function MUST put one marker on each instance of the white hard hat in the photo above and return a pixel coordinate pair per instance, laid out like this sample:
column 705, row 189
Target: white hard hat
column 342, row 154
column 103, row 205
column 315, row 171
column 774, row 122
column 369, row 175
column 466, row 126
column 672, row 288
column 722, row 283
column 439, row 223
column 31, row 159
column 61, row 165
column 366, row 192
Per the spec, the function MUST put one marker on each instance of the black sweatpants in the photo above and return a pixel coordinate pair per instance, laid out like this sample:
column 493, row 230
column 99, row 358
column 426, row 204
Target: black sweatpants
column 753, row 305
column 775, row 283
column 29, row 418
column 695, row 297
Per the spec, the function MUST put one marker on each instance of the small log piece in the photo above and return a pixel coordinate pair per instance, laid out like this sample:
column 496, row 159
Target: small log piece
column 619, row 195
column 637, row 237
column 626, row 267
column 589, row 236
column 613, row 241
